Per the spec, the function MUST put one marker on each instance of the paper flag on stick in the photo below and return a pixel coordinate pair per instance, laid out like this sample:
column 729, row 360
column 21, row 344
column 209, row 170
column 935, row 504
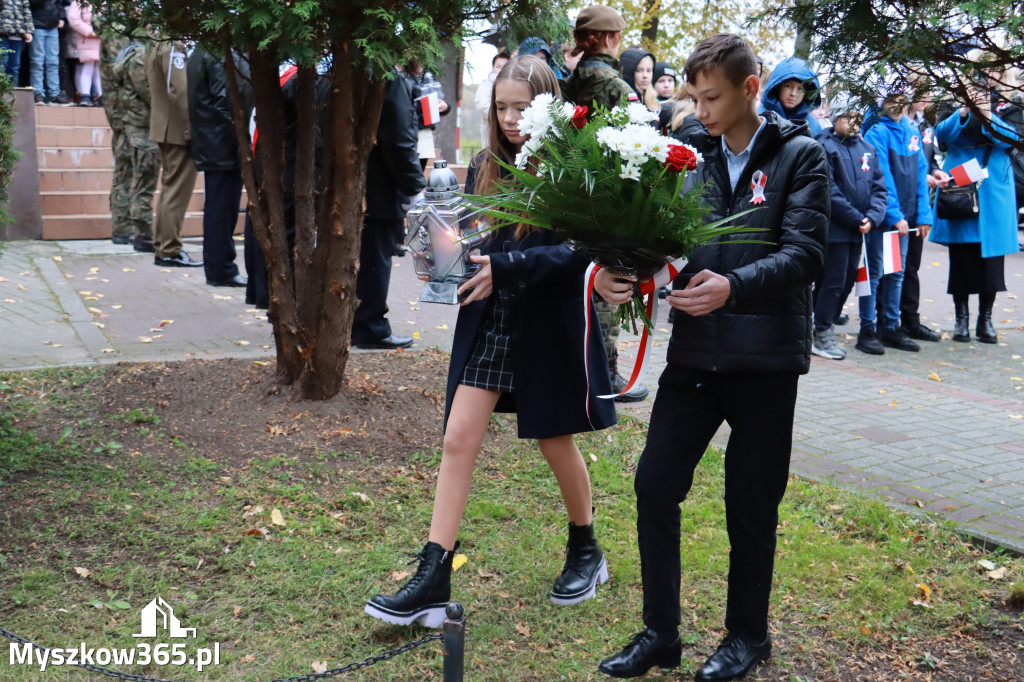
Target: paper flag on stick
column 892, row 259
column 863, row 287
column 431, row 109
column 969, row 172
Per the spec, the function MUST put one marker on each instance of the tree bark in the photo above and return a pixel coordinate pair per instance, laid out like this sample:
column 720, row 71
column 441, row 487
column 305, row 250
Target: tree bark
column 804, row 32
column 649, row 32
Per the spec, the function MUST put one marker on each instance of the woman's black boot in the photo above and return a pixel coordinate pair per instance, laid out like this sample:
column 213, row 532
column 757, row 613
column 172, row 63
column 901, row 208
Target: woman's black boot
column 962, row 330
column 426, row 595
column 985, row 331
column 585, row 567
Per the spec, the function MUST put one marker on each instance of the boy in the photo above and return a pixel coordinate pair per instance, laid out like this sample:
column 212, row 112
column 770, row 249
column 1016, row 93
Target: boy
column 792, row 92
column 741, row 339
column 900, row 155
column 859, row 199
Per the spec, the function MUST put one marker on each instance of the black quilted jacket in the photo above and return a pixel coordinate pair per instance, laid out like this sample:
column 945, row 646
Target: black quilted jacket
column 766, row 325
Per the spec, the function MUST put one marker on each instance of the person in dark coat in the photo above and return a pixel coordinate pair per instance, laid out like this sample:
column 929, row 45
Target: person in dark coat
column 505, row 358
column 859, row 199
column 792, row 92
column 393, row 174
column 740, row 341
column 215, row 153
column 638, row 72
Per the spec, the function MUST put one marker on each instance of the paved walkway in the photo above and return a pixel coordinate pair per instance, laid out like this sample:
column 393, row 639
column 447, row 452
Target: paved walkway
column 940, row 431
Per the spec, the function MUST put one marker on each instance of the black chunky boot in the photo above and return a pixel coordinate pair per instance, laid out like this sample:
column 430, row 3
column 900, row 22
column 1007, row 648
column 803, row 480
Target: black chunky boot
column 962, row 329
column 985, row 331
column 426, row 595
column 585, row 567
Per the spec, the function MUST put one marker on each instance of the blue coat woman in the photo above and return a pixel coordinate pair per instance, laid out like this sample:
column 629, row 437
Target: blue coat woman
column 543, row 279
column 977, row 245
column 793, row 68
column 996, row 225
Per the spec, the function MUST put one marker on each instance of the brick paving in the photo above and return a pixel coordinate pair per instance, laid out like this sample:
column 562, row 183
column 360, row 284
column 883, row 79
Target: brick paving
column 941, row 431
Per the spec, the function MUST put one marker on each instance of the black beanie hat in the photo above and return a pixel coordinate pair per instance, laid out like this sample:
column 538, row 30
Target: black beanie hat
column 664, row 69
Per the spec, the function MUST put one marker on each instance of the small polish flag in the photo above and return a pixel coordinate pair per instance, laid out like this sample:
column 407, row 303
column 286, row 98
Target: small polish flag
column 863, row 287
column 969, row 172
column 429, row 105
column 892, row 260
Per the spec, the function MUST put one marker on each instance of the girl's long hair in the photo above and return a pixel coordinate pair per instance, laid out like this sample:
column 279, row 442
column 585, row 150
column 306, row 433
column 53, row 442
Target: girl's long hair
column 540, row 78
column 683, row 106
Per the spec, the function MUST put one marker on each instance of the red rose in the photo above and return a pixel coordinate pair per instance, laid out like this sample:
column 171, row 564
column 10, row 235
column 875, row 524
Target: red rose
column 579, row 117
column 680, row 158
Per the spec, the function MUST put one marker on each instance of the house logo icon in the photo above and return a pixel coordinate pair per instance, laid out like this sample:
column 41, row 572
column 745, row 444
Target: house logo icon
column 159, row 613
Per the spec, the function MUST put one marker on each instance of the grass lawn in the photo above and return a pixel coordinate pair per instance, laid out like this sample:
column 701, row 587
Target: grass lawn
column 91, row 530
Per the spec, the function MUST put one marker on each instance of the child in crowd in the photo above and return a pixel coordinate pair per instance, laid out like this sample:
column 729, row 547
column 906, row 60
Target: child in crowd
column 505, row 359
column 900, row 154
column 87, row 72
column 665, row 82
column 740, row 341
column 638, row 71
column 858, row 205
column 792, row 91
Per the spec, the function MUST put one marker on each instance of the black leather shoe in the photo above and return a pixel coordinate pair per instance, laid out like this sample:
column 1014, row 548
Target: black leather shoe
column 867, row 342
column 181, row 260
column 898, row 339
column 648, row 649
column 922, row 333
column 143, row 243
column 236, row 281
column 633, row 395
column 121, row 239
column 843, row 320
column 735, row 657
column 390, row 343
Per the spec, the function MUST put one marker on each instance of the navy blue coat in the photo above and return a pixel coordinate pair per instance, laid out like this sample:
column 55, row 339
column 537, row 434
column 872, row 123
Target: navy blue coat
column 856, row 193
column 545, row 281
column 906, row 170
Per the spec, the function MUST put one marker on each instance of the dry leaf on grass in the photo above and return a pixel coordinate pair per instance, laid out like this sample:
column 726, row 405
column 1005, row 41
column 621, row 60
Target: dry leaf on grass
column 458, row 561
column 318, row 667
column 276, row 518
column 84, row 572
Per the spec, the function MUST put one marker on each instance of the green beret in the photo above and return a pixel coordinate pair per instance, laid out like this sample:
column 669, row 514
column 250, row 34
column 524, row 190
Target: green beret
column 600, row 18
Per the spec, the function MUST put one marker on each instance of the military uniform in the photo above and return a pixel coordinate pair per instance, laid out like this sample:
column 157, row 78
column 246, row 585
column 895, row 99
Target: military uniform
column 169, row 128
column 136, row 159
column 597, row 82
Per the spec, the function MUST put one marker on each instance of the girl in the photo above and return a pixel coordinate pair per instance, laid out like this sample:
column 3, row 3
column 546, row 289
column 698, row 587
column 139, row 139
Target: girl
column 505, row 358
column 87, row 72
column 638, row 71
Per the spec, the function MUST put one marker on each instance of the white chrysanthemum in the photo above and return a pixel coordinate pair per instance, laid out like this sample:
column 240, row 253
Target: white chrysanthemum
column 630, row 171
column 530, row 148
column 639, row 113
column 700, row 157
column 537, row 120
column 567, row 109
column 608, row 137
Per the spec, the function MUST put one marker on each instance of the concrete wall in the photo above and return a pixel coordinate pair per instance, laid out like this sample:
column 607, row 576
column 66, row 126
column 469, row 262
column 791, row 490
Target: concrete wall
column 24, row 205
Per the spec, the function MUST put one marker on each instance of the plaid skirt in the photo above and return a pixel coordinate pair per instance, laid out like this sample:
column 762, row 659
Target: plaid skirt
column 490, row 363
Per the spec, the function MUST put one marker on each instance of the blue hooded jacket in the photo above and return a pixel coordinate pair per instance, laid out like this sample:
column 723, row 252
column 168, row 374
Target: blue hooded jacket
column 789, row 69
column 858, row 186
column 901, row 154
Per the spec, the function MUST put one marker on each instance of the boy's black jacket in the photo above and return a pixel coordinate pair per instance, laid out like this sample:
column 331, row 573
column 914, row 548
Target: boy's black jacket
column 766, row 325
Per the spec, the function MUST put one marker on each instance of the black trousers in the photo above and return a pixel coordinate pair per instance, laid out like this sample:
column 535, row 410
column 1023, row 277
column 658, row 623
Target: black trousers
column 374, row 279
column 910, row 299
column 689, row 408
column 837, row 279
column 220, row 214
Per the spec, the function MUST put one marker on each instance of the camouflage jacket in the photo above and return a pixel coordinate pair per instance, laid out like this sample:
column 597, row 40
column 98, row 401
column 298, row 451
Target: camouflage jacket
column 15, row 18
column 110, row 46
column 126, row 99
column 597, row 82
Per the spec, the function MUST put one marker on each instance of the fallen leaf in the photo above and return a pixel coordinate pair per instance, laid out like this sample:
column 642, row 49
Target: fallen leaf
column 893, row 403
column 593, row 457
column 145, row 339
column 21, row 287
column 458, row 561
column 415, row 335
column 319, row 667
column 399, row 576
column 164, row 323
column 997, row 574
column 127, row 269
column 237, row 610
column 442, row 326
column 58, row 259
column 986, row 565
column 109, row 350
column 523, row 629
column 84, row 572
column 1017, row 416
column 253, row 512
column 257, row 532
column 363, row 496
column 117, row 307
column 1016, row 379
column 242, row 343
column 926, row 592
column 884, row 391
column 865, row 629
column 276, row 518
column 259, row 363
column 918, row 602
column 934, row 377
column 248, row 658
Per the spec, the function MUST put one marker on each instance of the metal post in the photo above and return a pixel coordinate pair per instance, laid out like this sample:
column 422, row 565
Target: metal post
column 454, row 642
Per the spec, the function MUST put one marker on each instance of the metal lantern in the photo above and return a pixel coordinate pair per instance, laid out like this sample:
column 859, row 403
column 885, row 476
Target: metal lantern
column 442, row 234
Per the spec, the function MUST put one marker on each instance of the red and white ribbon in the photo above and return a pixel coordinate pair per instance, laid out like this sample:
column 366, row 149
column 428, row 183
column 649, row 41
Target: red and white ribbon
column 864, row 165
column 649, row 289
column 757, row 183
column 914, row 146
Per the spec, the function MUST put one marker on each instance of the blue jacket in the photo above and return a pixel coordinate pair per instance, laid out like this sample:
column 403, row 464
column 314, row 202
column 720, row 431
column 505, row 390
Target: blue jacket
column 856, row 193
column 901, row 154
column 996, row 225
column 788, row 69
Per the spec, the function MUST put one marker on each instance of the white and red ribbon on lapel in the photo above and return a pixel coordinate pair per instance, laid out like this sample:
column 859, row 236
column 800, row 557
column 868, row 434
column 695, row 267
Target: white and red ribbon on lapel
column 914, row 146
column 928, row 136
column 757, row 183
column 649, row 289
column 864, row 165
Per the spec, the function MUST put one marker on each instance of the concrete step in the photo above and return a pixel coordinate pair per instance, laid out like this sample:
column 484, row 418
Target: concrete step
column 60, row 137
column 75, row 157
column 90, row 117
column 97, row 226
column 85, row 180
column 95, row 202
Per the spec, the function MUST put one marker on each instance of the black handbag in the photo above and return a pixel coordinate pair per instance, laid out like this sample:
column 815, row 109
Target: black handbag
column 957, row 203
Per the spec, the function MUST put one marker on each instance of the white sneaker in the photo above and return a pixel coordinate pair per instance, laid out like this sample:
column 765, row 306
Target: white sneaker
column 826, row 345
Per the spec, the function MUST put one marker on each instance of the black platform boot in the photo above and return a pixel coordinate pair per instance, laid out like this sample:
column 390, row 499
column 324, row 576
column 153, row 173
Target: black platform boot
column 585, row 567
column 426, row 595
column 985, row 331
column 962, row 328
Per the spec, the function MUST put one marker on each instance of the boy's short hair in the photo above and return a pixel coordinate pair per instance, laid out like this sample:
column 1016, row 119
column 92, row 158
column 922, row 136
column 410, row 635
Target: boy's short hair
column 501, row 55
column 725, row 51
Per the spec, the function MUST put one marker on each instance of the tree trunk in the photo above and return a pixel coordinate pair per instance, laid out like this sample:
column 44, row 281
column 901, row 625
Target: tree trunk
column 804, row 32
column 649, row 32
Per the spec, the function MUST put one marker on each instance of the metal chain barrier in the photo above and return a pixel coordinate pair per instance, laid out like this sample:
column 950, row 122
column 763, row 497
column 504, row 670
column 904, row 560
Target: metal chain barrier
column 453, row 635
